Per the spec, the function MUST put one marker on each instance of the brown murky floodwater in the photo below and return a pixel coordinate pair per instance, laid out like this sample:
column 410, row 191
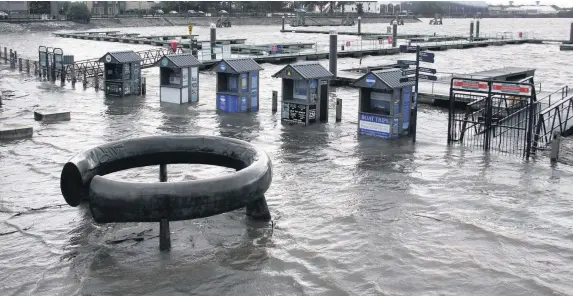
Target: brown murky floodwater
column 352, row 216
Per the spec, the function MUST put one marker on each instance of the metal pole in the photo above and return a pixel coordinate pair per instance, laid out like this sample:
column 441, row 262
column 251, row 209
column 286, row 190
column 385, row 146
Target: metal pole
column 477, row 29
column 164, row 233
column 394, row 34
column 283, row 27
column 338, row 110
column 28, row 66
column 274, row 101
column 532, row 107
column 415, row 117
column 332, row 54
column 359, row 25
column 213, row 41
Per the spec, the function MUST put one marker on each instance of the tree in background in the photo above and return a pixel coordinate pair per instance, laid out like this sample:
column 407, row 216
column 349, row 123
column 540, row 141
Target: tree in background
column 78, row 12
column 359, row 8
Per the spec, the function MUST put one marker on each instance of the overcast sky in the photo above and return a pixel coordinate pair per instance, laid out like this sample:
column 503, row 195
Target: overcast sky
column 560, row 3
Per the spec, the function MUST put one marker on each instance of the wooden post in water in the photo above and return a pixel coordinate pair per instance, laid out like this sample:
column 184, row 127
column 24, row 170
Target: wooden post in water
column 28, row 66
column 570, row 37
column 20, row 64
column 338, row 110
column 85, row 81
column 96, row 81
column 143, row 86
column 35, row 68
column 164, row 233
column 11, row 56
column 73, row 70
column 555, row 143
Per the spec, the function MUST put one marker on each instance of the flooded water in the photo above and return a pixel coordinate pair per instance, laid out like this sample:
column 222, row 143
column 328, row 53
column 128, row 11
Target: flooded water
column 352, row 215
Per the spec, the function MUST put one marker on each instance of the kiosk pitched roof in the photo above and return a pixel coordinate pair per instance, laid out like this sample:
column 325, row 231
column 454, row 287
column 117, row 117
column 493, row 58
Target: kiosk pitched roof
column 182, row 60
column 388, row 77
column 309, row 70
column 122, row 57
column 240, row 65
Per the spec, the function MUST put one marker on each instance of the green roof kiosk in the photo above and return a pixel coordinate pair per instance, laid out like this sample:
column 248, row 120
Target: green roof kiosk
column 384, row 105
column 304, row 93
column 122, row 73
column 179, row 78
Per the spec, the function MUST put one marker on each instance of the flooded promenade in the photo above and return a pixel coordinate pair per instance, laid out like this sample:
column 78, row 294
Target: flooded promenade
column 352, row 215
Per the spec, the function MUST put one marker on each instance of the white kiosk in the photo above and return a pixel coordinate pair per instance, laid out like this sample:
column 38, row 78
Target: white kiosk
column 179, row 74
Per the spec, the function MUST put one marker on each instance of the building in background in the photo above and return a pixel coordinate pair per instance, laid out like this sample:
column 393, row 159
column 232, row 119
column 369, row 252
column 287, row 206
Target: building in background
column 139, row 5
column 530, row 10
column 14, row 7
column 104, row 7
column 367, row 7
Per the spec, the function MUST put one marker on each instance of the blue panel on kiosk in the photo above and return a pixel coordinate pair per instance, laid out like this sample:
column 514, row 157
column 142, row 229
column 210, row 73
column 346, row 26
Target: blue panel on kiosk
column 374, row 125
column 407, row 97
column 228, row 103
column 233, row 83
column 255, row 91
column 245, row 83
column 244, row 103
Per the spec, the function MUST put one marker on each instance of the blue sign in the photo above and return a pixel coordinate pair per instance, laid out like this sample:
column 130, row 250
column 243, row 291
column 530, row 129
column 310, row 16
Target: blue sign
column 223, row 67
column 228, row 103
column 374, row 125
column 313, row 83
column 407, row 97
column 427, row 57
column 370, row 80
column 255, row 91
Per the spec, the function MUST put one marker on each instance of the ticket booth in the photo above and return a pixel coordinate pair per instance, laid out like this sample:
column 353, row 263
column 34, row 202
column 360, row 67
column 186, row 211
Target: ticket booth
column 384, row 108
column 122, row 73
column 179, row 78
column 237, row 85
column 304, row 93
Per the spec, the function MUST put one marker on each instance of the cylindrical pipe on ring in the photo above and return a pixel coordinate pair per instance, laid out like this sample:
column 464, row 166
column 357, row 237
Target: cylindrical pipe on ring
column 338, row 110
column 471, row 30
column 394, row 34
column 283, row 26
column 332, row 53
column 359, row 25
column 477, row 29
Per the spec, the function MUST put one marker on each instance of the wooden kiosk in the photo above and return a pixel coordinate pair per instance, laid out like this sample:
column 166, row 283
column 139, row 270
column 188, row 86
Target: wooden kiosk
column 237, row 85
column 304, row 93
column 122, row 73
column 384, row 108
column 179, row 78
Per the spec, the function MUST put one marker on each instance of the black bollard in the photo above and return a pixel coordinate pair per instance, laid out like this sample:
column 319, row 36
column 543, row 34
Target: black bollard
column 477, row 29
column 394, row 34
column 213, row 41
column 283, row 28
column 338, row 110
column 570, row 37
column 359, row 25
column 143, row 91
column 332, row 54
column 275, row 101
column 472, row 31
column 162, row 173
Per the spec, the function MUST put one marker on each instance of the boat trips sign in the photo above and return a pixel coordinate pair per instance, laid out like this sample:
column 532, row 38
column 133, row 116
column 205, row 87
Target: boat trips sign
column 511, row 88
column 470, row 84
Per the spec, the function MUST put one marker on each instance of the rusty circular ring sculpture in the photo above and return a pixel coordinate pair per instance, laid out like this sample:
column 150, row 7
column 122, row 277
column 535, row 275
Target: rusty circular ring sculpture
column 119, row 201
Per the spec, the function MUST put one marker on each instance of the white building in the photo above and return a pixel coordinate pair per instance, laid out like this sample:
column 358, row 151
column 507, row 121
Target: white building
column 139, row 5
column 531, row 10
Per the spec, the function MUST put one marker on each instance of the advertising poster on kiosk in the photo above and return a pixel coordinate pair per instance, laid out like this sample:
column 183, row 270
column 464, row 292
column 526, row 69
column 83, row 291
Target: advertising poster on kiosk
column 374, row 125
column 407, row 97
column 255, row 91
column 194, row 84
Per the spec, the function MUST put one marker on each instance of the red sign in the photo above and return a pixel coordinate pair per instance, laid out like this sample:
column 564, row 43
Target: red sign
column 174, row 46
column 469, row 84
column 511, row 88
column 389, row 39
column 347, row 43
column 379, row 41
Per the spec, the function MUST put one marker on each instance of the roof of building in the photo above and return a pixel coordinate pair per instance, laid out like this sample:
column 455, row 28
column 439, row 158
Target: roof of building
column 179, row 60
column 121, row 57
column 384, row 79
column 240, row 65
column 306, row 70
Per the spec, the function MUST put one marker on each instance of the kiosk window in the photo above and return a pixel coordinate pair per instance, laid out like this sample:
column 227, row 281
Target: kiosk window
column 233, row 83
column 300, row 90
column 380, row 103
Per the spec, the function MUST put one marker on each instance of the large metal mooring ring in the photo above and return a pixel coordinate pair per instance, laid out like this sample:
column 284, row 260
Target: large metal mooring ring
column 119, row 201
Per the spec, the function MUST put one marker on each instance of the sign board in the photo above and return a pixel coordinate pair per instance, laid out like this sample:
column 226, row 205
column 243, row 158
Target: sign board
column 408, row 72
column 427, row 70
column 470, row 84
column 295, row 113
column 190, row 29
column 374, row 125
column 428, row 77
column 427, row 57
column 511, row 88
column 370, row 80
column 406, row 62
column 406, row 79
column 406, row 48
